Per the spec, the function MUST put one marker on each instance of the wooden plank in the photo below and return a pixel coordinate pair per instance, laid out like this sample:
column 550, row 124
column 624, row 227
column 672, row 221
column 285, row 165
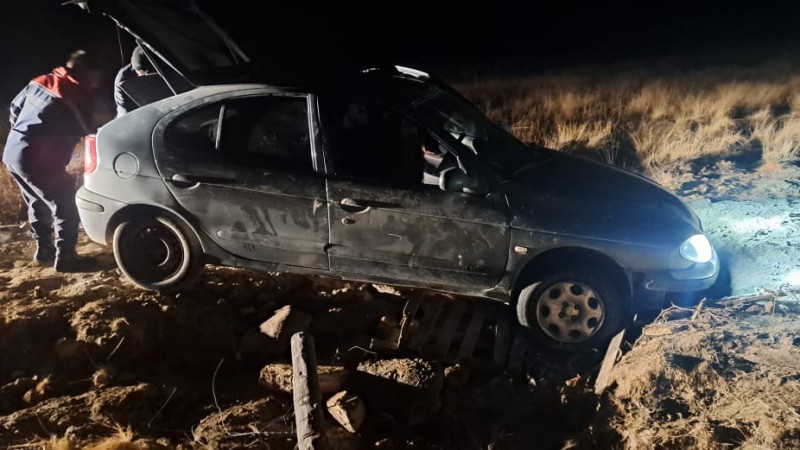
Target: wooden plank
column 604, row 377
column 517, row 358
column 501, row 339
column 449, row 329
column 473, row 333
column 308, row 406
column 433, row 307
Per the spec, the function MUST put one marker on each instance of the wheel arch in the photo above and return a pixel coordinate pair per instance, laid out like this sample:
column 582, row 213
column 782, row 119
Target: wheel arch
column 560, row 258
column 132, row 211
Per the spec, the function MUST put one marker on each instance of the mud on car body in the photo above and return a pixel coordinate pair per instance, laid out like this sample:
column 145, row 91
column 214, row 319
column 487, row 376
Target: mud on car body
column 379, row 175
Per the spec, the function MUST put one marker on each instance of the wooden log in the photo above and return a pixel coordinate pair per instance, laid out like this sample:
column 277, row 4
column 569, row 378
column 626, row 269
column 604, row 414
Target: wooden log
column 604, row 377
column 448, row 332
column 308, row 406
column 432, row 309
column 473, row 333
column 518, row 356
column 698, row 310
column 502, row 338
column 753, row 298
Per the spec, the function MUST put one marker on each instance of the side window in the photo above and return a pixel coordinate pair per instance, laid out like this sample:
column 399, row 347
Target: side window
column 268, row 131
column 195, row 132
column 372, row 142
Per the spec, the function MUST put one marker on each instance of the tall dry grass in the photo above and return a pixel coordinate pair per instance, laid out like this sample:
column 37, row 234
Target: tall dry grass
column 653, row 121
column 10, row 201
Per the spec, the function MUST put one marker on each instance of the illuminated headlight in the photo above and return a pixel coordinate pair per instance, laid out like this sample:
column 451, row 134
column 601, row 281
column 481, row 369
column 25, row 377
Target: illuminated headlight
column 697, row 249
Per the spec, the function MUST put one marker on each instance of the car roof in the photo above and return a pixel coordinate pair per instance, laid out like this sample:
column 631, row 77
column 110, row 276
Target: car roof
column 393, row 85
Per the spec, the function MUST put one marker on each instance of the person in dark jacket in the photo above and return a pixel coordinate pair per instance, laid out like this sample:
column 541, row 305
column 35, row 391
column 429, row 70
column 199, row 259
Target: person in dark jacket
column 48, row 118
column 138, row 66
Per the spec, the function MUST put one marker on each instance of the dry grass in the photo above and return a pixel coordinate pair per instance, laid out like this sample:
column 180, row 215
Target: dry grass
column 10, row 201
column 718, row 381
column 12, row 207
column 664, row 120
column 122, row 439
column 779, row 139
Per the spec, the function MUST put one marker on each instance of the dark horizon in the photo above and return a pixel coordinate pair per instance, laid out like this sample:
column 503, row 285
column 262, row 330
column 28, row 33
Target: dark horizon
column 501, row 37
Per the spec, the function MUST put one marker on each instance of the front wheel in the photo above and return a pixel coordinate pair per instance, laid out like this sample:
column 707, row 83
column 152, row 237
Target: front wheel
column 156, row 254
column 572, row 309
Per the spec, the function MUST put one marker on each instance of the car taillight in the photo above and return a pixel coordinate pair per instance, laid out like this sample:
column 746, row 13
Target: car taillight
column 89, row 153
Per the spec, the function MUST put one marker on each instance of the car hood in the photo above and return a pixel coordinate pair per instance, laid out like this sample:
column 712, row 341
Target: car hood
column 181, row 35
column 565, row 194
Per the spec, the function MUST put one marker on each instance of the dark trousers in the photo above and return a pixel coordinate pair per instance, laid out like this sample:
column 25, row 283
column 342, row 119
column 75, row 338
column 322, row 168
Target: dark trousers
column 50, row 196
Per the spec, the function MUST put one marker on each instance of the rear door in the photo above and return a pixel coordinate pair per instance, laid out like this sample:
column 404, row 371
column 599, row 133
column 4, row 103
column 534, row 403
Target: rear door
column 244, row 168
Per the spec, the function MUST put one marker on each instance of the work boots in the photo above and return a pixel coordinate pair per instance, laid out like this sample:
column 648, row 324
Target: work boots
column 66, row 260
column 45, row 253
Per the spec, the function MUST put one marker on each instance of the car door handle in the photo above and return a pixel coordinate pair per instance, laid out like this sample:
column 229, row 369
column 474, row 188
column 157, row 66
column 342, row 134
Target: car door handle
column 353, row 206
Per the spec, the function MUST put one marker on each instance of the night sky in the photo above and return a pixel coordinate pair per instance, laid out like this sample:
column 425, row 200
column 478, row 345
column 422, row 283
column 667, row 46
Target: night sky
column 444, row 36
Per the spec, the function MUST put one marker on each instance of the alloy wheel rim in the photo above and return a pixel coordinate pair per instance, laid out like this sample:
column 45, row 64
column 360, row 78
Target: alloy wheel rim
column 570, row 312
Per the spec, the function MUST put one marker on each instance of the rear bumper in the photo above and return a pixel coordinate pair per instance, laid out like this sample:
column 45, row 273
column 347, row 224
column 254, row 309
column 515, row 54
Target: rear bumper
column 96, row 212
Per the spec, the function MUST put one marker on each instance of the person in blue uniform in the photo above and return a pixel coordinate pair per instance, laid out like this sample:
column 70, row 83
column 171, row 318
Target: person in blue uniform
column 48, row 118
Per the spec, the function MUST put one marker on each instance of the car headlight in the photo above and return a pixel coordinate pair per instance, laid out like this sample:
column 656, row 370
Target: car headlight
column 697, row 249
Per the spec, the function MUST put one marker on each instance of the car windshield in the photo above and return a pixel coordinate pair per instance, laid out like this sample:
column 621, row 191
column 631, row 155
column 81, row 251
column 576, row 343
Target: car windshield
column 447, row 112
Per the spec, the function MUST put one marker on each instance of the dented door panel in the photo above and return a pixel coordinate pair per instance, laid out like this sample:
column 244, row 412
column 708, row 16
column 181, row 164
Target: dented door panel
column 419, row 235
column 263, row 215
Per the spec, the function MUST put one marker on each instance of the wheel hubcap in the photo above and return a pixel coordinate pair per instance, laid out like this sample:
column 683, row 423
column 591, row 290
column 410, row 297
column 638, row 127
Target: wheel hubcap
column 158, row 251
column 570, row 312
column 157, row 247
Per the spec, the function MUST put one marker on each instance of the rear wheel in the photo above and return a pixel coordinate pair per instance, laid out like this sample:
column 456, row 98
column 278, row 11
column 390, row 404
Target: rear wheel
column 156, row 254
column 572, row 309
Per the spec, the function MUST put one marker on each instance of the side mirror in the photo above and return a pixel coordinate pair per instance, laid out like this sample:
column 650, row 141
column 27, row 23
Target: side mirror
column 456, row 180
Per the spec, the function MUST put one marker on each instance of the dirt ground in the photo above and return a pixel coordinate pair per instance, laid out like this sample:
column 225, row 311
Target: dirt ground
column 88, row 360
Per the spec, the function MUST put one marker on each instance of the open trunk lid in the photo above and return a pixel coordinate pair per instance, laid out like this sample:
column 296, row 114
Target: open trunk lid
column 181, row 35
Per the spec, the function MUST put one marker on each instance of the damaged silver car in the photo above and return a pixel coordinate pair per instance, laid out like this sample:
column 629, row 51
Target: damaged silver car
column 383, row 175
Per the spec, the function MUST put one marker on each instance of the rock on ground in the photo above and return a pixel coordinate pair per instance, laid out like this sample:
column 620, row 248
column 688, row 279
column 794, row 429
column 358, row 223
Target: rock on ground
column 277, row 378
column 409, row 389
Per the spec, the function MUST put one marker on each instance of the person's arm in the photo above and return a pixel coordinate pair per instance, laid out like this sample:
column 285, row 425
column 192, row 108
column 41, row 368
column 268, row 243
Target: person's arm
column 16, row 106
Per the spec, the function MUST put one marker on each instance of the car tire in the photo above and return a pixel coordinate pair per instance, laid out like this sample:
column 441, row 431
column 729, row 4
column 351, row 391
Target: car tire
column 156, row 254
column 572, row 309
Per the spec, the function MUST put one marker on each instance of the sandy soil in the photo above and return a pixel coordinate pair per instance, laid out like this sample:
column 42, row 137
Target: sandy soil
column 87, row 358
column 752, row 218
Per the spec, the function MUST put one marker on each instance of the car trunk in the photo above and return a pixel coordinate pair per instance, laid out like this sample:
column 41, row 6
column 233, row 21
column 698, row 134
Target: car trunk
column 186, row 46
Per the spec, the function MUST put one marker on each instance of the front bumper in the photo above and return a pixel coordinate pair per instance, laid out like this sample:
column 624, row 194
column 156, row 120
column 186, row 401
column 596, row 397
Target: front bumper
column 96, row 212
column 698, row 277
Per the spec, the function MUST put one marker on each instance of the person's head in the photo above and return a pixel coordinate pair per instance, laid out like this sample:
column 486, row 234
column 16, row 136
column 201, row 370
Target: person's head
column 140, row 62
column 83, row 67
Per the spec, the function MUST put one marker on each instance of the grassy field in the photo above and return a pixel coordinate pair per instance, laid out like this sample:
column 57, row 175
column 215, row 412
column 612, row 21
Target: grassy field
column 650, row 121
column 653, row 121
